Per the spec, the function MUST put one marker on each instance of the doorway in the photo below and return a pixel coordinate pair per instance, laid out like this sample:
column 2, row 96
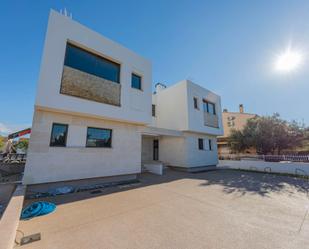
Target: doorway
column 155, row 149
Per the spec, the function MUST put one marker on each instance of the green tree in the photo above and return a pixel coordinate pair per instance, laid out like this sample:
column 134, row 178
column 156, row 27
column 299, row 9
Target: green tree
column 1, row 142
column 23, row 144
column 269, row 134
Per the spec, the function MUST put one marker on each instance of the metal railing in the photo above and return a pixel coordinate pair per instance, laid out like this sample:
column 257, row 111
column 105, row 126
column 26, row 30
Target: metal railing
column 266, row 158
column 13, row 158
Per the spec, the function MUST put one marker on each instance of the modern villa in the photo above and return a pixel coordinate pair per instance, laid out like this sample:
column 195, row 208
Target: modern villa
column 95, row 115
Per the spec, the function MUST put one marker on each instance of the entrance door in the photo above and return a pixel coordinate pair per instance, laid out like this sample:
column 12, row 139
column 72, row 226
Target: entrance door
column 156, row 150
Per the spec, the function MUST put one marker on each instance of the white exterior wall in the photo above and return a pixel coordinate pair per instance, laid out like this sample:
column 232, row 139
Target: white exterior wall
column 135, row 104
column 75, row 161
column 294, row 168
column 182, row 151
column 199, row 158
column 173, row 151
column 171, row 108
column 175, row 109
column 147, row 149
column 196, row 117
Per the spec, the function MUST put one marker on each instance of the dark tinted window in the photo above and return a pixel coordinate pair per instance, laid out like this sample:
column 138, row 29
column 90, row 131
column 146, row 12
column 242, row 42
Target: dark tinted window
column 195, row 103
column 210, row 144
column 209, row 107
column 136, row 81
column 200, row 144
column 153, row 110
column 59, row 135
column 205, row 106
column 90, row 63
column 97, row 137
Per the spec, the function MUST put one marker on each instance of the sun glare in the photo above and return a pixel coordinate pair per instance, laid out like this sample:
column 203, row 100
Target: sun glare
column 288, row 61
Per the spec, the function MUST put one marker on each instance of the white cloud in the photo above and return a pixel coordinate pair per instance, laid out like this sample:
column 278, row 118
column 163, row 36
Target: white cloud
column 6, row 129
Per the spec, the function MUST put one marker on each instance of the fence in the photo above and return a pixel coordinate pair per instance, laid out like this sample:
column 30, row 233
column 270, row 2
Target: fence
column 294, row 168
column 266, row 158
column 13, row 158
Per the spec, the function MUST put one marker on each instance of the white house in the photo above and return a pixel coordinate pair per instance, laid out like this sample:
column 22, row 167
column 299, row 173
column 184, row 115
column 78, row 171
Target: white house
column 186, row 121
column 95, row 115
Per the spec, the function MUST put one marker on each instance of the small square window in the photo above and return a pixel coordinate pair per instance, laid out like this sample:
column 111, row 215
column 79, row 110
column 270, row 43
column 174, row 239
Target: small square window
column 59, row 135
column 98, row 137
column 195, row 101
column 136, row 81
column 201, row 144
column 153, row 110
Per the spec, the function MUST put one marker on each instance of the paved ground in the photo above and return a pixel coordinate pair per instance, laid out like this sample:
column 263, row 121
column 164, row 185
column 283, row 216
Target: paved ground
column 218, row 209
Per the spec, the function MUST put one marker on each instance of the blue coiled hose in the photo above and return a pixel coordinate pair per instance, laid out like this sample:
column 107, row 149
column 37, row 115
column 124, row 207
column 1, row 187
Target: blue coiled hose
column 37, row 209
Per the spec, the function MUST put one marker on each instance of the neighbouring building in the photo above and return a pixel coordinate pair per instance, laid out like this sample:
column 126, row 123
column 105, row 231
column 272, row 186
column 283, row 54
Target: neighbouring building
column 232, row 120
column 95, row 114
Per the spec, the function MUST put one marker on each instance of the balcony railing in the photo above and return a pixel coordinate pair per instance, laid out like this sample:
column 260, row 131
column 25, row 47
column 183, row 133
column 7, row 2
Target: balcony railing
column 211, row 120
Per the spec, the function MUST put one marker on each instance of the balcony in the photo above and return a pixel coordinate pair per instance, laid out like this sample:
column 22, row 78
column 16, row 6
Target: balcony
column 211, row 120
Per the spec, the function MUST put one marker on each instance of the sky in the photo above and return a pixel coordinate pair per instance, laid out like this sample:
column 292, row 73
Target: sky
column 228, row 47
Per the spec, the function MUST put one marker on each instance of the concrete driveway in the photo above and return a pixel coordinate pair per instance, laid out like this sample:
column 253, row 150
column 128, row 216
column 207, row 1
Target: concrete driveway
column 217, row 209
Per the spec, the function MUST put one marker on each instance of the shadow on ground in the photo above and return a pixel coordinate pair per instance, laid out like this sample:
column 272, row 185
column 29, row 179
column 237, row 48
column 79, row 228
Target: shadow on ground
column 232, row 181
column 244, row 182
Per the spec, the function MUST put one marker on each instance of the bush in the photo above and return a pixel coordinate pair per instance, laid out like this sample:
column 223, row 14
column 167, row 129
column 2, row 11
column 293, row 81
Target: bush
column 22, row 145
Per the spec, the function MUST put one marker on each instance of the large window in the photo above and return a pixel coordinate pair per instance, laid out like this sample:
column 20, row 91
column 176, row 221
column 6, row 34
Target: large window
column 59, row 135
column 97, row 137
column 136, row 81
column 90, row 63
column 201, row 144
column 209, row 107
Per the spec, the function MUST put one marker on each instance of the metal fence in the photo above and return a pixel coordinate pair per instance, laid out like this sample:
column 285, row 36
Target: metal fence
column 13, row 158
column 12, row 167
column 266, row 158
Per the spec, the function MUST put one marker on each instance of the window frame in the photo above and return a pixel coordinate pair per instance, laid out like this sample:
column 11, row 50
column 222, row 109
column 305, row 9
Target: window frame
column 200, row 141
column 195, row 103
column 139, row 76
column 210, row 144
column 65, row 138
column 111, row 135
column 207, row 106
column 95, row 54
column 153, row 110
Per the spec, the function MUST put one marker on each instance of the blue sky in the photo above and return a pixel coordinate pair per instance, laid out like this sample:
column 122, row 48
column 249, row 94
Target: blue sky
column 226, row 46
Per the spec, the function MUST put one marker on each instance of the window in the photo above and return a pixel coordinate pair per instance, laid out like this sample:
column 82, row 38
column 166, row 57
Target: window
column 136, row 81
column 195, row 101
column 98, row 137
column 156, row 150
column 209, row 107
column 59, row 135
column 201, row 144
column 230, row 123
column 210, row 144
column 153, row 110
column 90, row 63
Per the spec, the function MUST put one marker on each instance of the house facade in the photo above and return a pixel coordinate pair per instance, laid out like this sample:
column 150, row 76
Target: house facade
column 95, row 115
column 230, row 121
